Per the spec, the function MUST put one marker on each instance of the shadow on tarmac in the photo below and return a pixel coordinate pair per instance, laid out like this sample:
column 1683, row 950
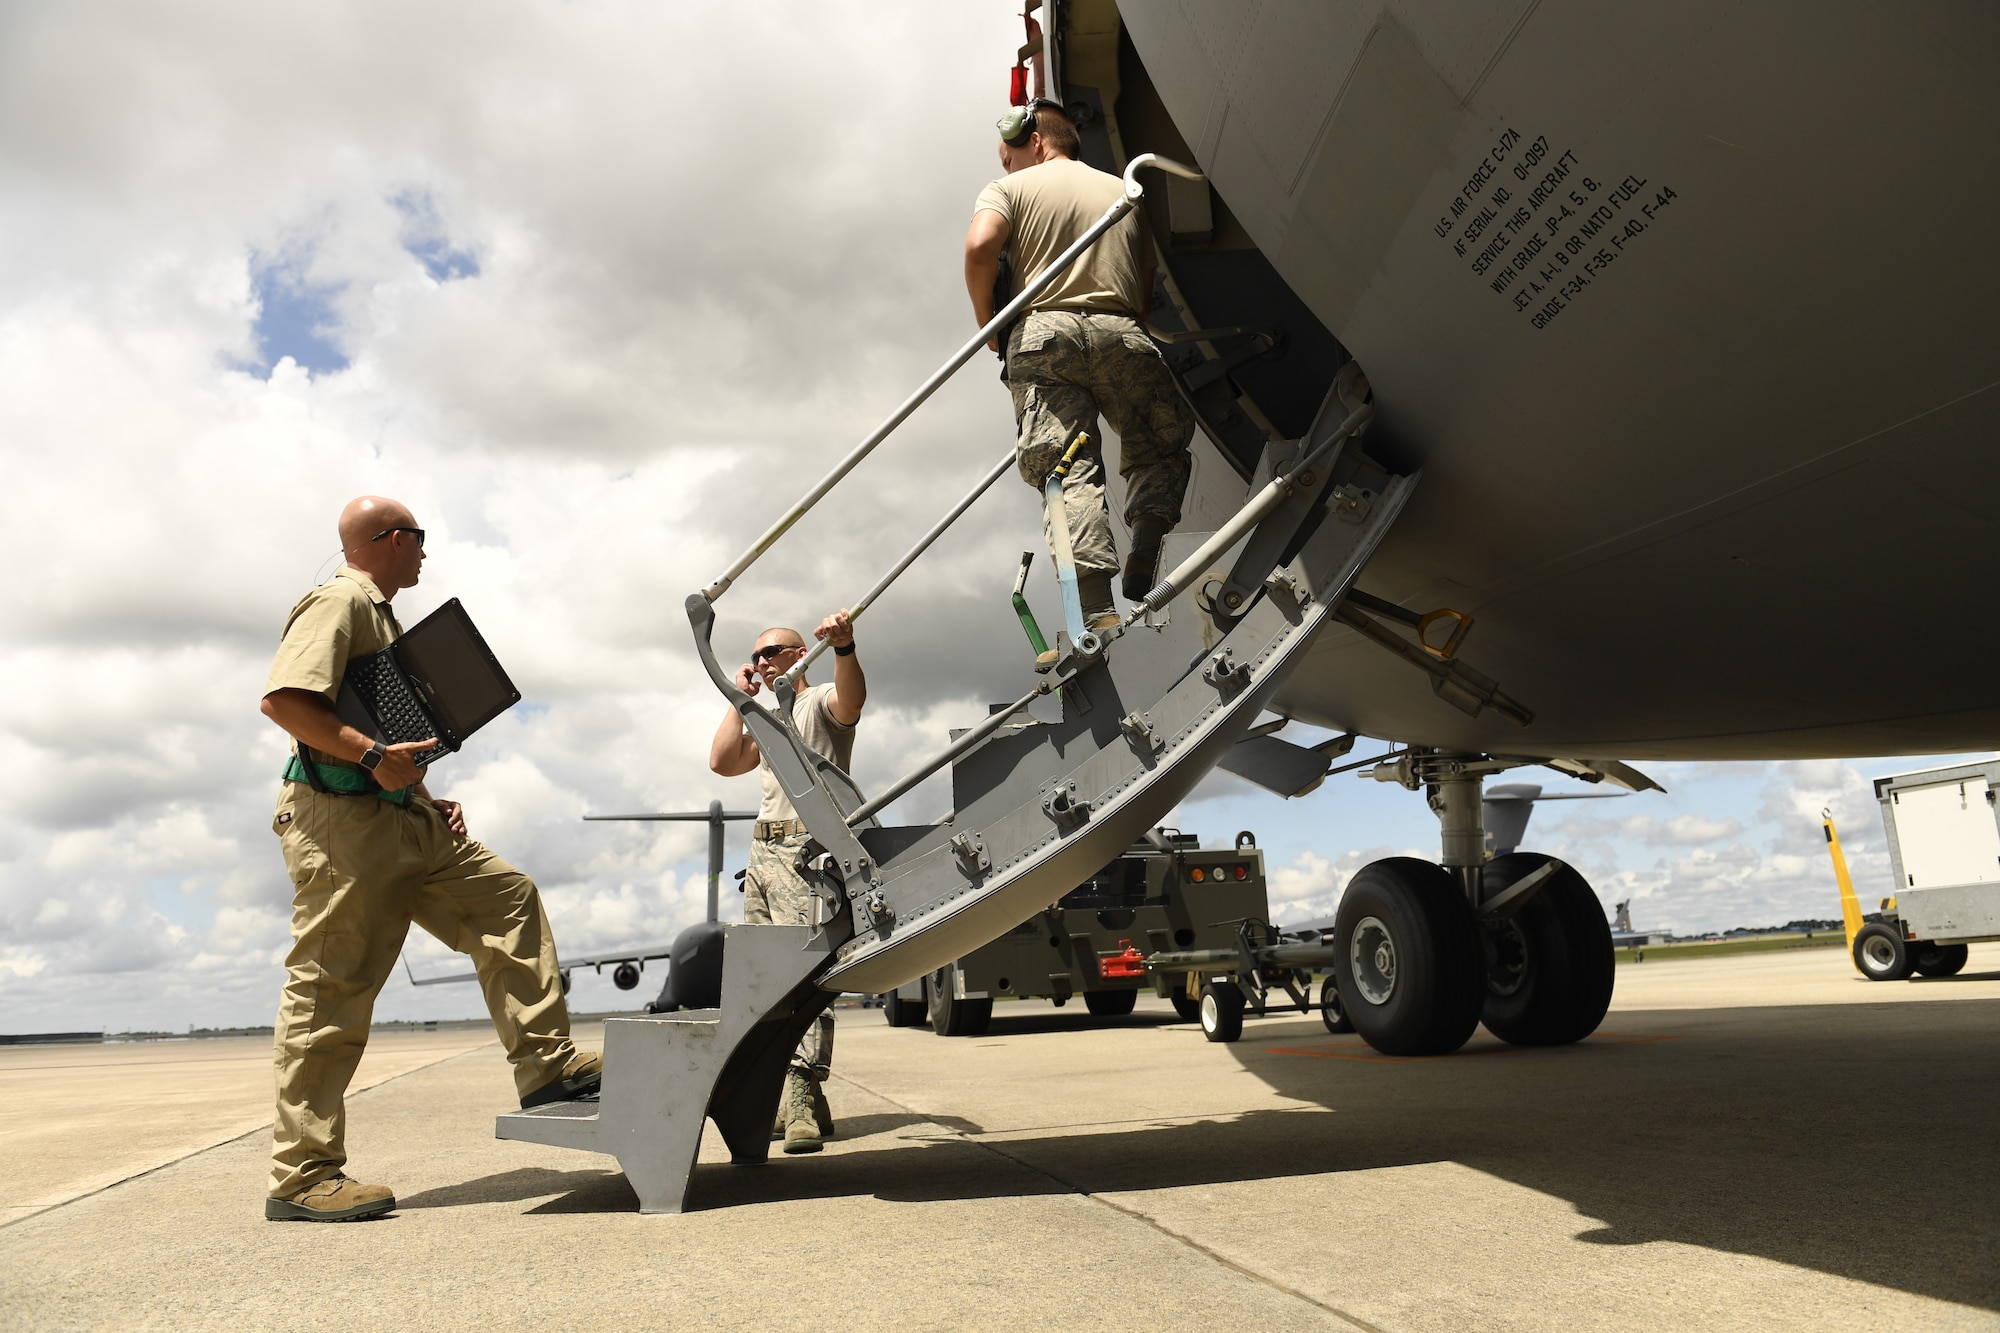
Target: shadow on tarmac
column 1028, row 1019
column 1857, row 1140
column 530, row 1182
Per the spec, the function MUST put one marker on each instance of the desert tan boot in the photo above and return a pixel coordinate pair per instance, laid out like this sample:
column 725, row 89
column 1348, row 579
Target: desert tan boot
column 822, row 1113
column 801, row 1126
column 336, row 1199
column 581, row 1077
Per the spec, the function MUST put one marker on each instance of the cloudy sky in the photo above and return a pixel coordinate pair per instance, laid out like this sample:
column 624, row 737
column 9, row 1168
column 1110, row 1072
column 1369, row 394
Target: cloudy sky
column 596, row 288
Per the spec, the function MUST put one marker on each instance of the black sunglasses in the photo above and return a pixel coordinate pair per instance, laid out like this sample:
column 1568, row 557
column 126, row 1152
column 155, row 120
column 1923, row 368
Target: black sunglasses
column 771, row 650
column 418, row 533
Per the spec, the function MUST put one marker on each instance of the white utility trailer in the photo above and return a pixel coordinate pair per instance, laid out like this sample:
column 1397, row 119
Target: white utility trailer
column 1944, row 850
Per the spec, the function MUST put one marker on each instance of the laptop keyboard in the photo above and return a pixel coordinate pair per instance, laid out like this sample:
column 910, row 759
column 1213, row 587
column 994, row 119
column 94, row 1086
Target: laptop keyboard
column 395, row 705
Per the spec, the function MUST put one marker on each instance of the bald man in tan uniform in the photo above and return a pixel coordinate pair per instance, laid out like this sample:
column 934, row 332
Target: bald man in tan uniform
column 369, row 855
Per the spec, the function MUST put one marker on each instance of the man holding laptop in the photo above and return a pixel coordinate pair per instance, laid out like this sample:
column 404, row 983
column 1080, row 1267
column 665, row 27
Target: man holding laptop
column 370, row 850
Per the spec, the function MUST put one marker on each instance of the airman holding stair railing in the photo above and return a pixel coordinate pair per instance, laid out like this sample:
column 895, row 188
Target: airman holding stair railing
column 774, row 890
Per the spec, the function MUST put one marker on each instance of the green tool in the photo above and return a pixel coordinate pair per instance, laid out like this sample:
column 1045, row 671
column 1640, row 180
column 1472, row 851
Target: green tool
column 1021, row 608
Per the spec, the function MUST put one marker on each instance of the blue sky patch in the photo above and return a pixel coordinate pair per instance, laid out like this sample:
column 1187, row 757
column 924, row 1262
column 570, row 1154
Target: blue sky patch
column 425, row 238
column 295, row 317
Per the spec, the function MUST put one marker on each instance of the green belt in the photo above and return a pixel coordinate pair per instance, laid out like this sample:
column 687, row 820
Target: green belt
column 349, row 781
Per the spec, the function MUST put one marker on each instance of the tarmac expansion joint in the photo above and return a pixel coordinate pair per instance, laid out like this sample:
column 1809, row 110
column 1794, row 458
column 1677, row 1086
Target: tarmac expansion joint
column 1144, row 1219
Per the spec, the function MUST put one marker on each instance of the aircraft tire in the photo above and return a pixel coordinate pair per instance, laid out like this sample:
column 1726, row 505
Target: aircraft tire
column 1408, row 959
column 1549, row 968
column 1330, row 1012
column 1939, row 960
column 1221, row 1011
column 1881, row 954
column 1110, row 1003
column 901, row 1013
column 953, row 1017
column 1185, row 1005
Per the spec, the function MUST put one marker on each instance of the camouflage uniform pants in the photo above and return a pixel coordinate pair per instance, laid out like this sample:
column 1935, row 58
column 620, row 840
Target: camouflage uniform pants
column 1065, row 367
column 774, row 893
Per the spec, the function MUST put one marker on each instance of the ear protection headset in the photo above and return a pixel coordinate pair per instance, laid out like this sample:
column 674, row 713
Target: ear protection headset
column 1019, row 122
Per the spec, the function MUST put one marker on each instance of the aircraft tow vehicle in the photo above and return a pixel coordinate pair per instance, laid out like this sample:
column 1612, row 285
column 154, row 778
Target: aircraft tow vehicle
column 1944, row 851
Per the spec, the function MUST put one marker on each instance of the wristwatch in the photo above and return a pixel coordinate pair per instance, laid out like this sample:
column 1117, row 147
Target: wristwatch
column 843, row 650
column 373, row 759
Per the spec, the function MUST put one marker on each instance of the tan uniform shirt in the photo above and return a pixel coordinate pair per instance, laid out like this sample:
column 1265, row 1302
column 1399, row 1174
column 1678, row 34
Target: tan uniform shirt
column 1047, row 207
column 344, row 618
column 823, row 733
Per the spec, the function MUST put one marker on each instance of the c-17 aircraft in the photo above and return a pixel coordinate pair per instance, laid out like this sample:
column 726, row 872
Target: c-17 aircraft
column 1580, row 385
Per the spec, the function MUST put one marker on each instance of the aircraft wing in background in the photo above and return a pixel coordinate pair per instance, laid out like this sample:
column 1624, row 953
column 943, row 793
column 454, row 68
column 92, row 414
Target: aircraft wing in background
column 636, row 959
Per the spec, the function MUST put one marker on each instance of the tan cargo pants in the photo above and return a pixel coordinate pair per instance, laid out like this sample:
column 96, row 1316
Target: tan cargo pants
column 362, row 870
column 1064, row 368
column 774, row 893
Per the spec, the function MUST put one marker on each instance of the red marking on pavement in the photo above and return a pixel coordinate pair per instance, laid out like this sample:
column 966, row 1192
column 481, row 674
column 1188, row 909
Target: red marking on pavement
column 1361, row 1050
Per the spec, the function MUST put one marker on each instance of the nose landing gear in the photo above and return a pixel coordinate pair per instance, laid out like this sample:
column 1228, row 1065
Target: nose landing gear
column 1426, row 953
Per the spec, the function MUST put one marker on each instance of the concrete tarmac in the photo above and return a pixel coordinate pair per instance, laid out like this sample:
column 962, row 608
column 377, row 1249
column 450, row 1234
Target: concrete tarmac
column 77, row 1119
column 1758, row 1143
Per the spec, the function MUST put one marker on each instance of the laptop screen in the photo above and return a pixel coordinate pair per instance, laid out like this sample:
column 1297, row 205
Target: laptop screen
column 462, row 681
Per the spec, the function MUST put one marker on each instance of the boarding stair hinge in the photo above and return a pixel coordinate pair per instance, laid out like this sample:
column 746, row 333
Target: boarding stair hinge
column 1310, row 468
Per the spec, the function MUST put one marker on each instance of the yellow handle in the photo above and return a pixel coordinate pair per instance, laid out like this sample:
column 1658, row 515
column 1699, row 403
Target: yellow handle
column 1069, row 454
column 1461, row 622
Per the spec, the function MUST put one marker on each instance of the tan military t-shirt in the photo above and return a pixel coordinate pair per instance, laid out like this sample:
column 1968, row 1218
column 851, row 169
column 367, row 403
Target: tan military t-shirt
column 823, row 733
column 1047, row 207
column 344, row 618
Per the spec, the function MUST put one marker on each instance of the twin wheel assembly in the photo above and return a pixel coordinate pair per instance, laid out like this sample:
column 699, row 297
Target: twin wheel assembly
column 1416, row 967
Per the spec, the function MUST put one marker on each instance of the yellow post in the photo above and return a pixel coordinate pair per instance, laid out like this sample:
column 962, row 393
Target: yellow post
column 1850, row 907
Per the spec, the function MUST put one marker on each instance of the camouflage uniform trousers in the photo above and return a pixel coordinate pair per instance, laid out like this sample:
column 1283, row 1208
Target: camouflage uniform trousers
column 774, row 893
column 1064, row 368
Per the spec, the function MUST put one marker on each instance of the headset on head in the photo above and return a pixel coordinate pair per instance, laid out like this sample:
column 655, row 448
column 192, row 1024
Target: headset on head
column 1019, row 122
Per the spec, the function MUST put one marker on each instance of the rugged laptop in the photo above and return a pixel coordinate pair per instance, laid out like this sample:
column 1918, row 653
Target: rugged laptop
column 438, row 680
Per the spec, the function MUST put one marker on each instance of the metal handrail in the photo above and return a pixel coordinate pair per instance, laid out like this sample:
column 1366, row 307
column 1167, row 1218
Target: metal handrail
column 700, row 605
column 1134, row 192
column 909, row 558
column 971, row 740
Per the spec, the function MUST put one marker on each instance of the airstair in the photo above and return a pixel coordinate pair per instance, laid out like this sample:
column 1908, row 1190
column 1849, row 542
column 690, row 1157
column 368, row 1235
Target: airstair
column 1145, row 711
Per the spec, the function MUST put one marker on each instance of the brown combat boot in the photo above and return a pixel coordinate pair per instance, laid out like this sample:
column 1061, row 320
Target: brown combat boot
column 801, row 1127
column 336, row 1199
column 581, row 1077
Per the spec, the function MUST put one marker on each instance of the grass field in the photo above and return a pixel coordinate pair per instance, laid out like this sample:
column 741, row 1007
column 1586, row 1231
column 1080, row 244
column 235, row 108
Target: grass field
column 1658, row 953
